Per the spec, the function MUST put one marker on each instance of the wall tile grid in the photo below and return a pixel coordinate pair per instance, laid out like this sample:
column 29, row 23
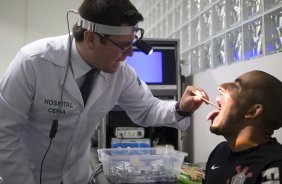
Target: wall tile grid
column 215, row 32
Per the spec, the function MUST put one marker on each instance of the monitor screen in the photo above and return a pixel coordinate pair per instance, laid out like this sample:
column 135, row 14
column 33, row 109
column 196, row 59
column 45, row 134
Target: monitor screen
column 148, row 67
column 158, row 68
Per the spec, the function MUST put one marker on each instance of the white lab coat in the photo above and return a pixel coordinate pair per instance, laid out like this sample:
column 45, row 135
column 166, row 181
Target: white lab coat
column 30, row 92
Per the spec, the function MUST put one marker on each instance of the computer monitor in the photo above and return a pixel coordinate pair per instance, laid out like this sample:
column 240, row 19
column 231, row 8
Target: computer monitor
column 158, row 70
column 148, row 67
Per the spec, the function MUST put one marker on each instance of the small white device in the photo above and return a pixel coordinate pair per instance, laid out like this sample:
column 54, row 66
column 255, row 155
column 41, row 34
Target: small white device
column 129, row 132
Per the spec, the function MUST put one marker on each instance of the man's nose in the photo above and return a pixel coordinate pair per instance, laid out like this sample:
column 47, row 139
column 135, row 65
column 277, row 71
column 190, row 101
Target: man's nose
column 222, row 88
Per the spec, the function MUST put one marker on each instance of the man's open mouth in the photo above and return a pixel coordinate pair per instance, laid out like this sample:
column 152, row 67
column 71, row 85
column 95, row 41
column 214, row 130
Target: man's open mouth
column 212, row 115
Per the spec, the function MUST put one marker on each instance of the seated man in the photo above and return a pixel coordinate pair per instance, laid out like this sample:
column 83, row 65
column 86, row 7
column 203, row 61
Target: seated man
column 250, row 111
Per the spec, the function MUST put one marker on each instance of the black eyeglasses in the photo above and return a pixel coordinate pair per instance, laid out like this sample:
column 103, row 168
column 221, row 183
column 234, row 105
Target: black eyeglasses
column 138, row 35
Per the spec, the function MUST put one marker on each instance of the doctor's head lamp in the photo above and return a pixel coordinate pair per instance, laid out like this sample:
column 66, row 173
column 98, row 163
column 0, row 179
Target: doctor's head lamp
column 104, row 30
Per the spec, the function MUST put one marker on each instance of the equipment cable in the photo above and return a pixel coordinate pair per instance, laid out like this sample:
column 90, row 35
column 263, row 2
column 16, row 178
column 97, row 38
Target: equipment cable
column 97, row 170
column 54, row 126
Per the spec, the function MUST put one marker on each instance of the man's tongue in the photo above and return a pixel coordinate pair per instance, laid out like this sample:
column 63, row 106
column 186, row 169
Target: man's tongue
column 212, row 115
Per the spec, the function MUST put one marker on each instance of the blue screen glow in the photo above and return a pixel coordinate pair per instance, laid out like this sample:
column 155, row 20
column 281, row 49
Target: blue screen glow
column 148, row 67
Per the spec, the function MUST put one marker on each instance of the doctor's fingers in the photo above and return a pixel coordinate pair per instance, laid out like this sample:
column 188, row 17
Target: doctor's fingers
column 191, row 103
column 196, row 91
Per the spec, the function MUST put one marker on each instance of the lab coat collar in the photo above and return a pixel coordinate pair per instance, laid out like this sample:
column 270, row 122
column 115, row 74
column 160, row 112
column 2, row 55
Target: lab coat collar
column 79, row 66
column 101, row 84
column 57, row 51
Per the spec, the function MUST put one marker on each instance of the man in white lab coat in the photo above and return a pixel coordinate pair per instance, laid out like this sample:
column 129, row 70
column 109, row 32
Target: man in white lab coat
column 41, row 88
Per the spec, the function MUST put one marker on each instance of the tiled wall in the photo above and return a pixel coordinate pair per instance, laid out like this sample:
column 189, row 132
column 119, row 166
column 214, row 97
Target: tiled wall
column 215, row 32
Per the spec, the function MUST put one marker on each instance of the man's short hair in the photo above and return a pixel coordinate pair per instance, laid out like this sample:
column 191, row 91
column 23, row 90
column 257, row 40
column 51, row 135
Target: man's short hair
column 107, row 12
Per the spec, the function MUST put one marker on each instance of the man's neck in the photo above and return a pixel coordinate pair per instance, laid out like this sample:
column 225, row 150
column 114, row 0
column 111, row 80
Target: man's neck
column 247, row 138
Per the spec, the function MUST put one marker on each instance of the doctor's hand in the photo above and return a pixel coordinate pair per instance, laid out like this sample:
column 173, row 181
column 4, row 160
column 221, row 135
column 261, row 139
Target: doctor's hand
column 192, row 99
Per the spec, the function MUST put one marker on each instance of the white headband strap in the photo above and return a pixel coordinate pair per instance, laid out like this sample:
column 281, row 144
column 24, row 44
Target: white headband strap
column 106, row 29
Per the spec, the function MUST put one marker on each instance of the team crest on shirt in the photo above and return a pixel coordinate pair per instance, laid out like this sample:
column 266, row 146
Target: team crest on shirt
column 241, row 176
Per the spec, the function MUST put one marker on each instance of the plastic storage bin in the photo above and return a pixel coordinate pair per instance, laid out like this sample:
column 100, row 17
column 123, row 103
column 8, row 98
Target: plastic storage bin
column 141, row 165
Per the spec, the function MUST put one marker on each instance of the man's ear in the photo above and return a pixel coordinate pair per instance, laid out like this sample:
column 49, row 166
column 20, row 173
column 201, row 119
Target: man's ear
column 254, row 111
column 90, row 39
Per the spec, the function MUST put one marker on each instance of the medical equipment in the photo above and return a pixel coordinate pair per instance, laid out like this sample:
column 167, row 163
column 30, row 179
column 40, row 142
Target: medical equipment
column 161, row 73
column 130, row 132
column 55, row 122
column 141, row 165
column 103, row 30
column 130, row 143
